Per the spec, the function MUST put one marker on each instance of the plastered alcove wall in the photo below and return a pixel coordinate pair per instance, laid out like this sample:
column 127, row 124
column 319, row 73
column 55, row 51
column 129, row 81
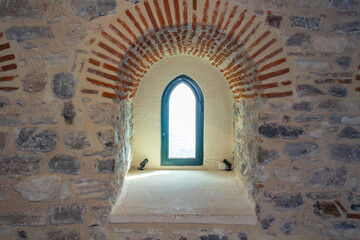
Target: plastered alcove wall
column 217, row 110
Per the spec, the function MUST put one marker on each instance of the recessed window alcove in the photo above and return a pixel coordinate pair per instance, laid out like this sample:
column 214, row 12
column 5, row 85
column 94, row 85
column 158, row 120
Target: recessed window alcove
column 184, row 193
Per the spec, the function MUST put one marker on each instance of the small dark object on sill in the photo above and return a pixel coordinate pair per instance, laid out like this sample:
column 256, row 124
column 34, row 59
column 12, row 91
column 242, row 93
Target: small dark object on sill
column 142, row 164
column 228, row 165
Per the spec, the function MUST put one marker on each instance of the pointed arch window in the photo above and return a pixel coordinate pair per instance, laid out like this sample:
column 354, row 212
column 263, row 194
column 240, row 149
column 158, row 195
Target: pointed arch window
column 182, row 120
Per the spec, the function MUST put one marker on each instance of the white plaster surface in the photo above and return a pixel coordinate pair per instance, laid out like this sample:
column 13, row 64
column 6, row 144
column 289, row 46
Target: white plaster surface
column 184, row 196
column 218, row 102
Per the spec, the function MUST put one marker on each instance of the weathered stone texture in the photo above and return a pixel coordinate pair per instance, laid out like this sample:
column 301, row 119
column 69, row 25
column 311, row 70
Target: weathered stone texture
column 104, row 154
column 306, row 90
column 92, row 188
column 299, row 40
column 64, row 85
column 266, row 222
column 348, row 28
column 327, row 178
column 68, row 112
column 288, row 175
column 338, row 119
column 35, row 217
column 51, row 58
column 106, row 166
column 285, row 201
column 30, row 139
column 4, row 101
column 34, row 82
column 3, row 140
column 25, row 33
column 43, row 112
column 102, row 113
column 304, row 64
column 310, row 23
column 67, row 214
column 323, row 196
column 348, row 133
column 266, row 156
column 276, row 131
column 93, row 8
column 338, row 91
column 107, row 137
column 62, row 234
column 43, row 188
column 97, row 235
column 344, row 62
column 301, row 150
column 19, row 8
column 76, row 140
column 326, row 209
column 274, row 20
column 344, row 153
column 303, row 106
column 64, row 164
column 20, row 164
column 11, row 119
column 331, row 44
column 332, row 105
column 4, row 192
column 65, row 191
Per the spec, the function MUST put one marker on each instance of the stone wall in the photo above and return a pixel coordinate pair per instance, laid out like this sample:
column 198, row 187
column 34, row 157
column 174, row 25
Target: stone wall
column 70, row 69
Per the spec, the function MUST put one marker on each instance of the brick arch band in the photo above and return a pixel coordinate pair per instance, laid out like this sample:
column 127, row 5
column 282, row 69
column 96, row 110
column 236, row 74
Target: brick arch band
column 8, row 68
column 231, row 39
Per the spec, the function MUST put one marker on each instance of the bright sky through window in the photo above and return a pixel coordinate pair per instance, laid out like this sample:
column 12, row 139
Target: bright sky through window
column 182, row 128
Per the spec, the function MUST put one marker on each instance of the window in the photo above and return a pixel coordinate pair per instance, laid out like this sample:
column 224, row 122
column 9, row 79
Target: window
column 182, row 119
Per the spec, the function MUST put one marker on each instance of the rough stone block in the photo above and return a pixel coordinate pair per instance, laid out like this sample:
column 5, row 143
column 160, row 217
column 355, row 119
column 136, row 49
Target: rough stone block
column 344, row 153
column 31, row 140
column 273, row 21
column 344, row 226
column 76, row 140
column 266, row 156
column 104, row 154
column 90, row 9
column 11, row 119
column 348, row 133
column 310, row 23
column 286, row 201
column 355, row 207
column 64, row 85
column 327, row 178
column 324, row 195
column 344, row 62
column 51, row 59
column 206, row 237
column 25, row 33
column 64, row 164
column 338, row 91
column 97, row 235
column 332, row 105
column 4, row 192
column 34, row 82
column 20, row 164
column 62, row 234
column 276, row 131
column 286, row 227
column 102, row 214
column 299, row 40
column 301, row 150
column 304, row 64
column 42, row 188
column 288, row 175
column 266, row 222
column 107, row 137
column 35, row 217
column 303, row 106
column 344, row 4
column 43, row 112
column 102, row 113
column 331, row 44
column 4, row 101
column 68, row 112
column 65, row 191
column 348, row 28
column 326, row 209
column 67, row 214
column 19, row 8
column 261, row 174
column 3, row 139
column 92, row 188
column 243, row 236
column 306, row 90
column 316, row 133
column 106, row 166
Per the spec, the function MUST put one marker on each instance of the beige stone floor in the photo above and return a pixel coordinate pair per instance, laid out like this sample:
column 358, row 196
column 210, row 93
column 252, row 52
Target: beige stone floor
column 183, row 196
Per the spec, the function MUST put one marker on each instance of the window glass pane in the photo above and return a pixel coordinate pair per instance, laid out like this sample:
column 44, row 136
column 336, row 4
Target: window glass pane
column 182, row 127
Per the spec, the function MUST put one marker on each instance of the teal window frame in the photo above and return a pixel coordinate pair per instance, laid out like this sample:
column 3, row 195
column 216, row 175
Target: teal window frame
column 199, row 99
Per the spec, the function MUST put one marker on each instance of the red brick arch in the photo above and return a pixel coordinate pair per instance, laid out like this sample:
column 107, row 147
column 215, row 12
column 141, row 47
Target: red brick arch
column 7, row 66
column 230, row 38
